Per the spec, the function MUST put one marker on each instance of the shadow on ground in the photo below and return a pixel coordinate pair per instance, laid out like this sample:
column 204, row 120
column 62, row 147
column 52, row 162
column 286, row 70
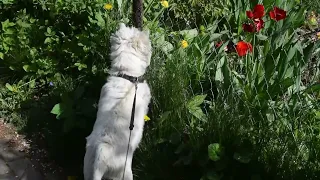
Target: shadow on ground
column 64, row 148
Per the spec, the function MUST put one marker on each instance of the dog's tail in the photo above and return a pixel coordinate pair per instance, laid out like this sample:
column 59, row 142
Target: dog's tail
column 137, row 15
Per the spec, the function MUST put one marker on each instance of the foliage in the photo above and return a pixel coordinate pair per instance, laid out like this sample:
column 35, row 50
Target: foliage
column 214, row 115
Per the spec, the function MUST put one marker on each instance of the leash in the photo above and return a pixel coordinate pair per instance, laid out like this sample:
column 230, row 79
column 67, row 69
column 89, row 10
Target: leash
column 137, row 9
column 131, row 126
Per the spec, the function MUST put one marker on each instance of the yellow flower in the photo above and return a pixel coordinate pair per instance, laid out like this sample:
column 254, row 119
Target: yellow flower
column 108, row 6
column 318, row 34
column 146, row 118
column 165, row 4
column 184, row 44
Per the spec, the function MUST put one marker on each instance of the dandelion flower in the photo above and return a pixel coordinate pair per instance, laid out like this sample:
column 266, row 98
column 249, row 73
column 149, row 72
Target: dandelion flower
column 146, row 118
column 108, row 6
column 318, row 34
column 165, row 4
column 184, row 44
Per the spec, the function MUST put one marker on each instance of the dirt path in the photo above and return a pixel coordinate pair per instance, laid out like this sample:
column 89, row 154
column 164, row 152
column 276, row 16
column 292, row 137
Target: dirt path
column 18, row 161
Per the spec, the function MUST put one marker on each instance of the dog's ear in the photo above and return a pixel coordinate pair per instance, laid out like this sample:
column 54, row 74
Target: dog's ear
column 122, row 26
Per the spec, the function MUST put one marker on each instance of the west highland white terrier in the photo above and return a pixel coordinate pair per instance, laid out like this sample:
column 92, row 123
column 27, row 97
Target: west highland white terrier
column 107, row 145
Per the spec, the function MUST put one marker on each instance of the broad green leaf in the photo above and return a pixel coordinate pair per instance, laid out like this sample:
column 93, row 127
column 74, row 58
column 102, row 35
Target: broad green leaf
column 196, row 101
column 189, row 34
column 23, row 24
column 57, row 109
column 47, row 40
column 26, row 68
column 1, row 55
column 262, row 37
column 49, row 31
column 9, row 87
column 198, row 113
column 215, row 151
column 167, row 47
column 194, row 109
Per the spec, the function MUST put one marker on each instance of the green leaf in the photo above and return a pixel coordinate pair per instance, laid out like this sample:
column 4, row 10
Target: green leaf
column 307, row 52
column 61, row 110
column 196, row 101
column 312, row 89
column 198, row 113
column 47, row 40
column 9, row 87
column 166, row 47
column 119, row 2
column 32, row 84
column 100, row 20
column 215, row 36
column 49, row 30
column 26, row 68
column 1, row 55
column 57, row 109
column 262, row 37
column 80, row 66
column 317, row 114
column 283, row 63
column 215, row 151
column 189, row 34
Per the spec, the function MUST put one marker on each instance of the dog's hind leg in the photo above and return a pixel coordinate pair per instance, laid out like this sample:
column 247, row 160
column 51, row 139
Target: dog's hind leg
column 94, row 163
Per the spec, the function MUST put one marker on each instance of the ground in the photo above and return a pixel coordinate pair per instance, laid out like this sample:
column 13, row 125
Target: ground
column 18, row 161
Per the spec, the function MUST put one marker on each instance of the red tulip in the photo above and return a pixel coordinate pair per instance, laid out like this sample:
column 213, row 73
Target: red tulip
column 219, row 44
column 258, row 25
column 243, row 48
column 278, row 14
column 258, row 12
column 248, row 27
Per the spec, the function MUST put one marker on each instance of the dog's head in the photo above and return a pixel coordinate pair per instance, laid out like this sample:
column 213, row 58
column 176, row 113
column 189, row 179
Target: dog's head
column 130, row 42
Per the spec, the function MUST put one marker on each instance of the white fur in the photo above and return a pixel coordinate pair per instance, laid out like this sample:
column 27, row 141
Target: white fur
column 107, row 144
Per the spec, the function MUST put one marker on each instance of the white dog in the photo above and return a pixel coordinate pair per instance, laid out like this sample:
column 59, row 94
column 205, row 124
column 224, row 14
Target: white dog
column 106, row 147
